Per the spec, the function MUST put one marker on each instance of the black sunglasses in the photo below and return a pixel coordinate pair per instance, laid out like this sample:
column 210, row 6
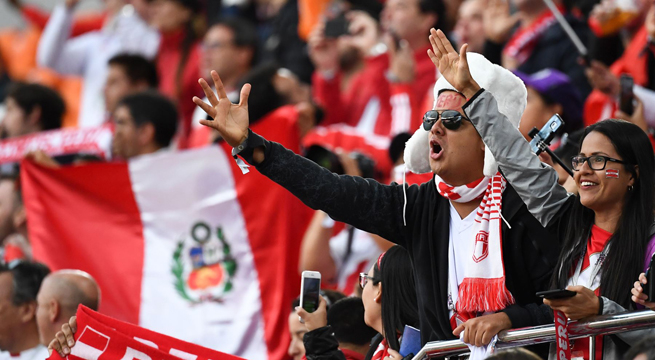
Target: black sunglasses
column 451, row 119
column 596, row 162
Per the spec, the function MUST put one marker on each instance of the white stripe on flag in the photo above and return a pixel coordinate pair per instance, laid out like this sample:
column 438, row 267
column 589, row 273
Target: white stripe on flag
column 182, row 296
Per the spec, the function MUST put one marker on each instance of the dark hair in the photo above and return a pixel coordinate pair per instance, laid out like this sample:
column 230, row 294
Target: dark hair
column 624, row 260
column 644, row 346
column 244, row 33
column 27, row 278
column 436, row 7
column 346, row 317
column 30, row 96
column 397, row 146
column 191, row 35
column 399, row 305
column 137, row 69
column 152, row 107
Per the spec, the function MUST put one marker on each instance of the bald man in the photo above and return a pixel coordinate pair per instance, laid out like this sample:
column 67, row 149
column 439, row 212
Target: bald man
column 60, row 294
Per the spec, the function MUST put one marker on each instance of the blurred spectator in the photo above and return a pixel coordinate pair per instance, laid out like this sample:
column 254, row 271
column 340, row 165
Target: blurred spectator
column 13, row 223
column 514, row 354
column 31, row 108
column 59, row 296
column 469, row 28
column 88, row 55
column 538, row 43
column 298, row 330
column 144, row 123
column 19, row 335
column 643, row 350
column 346, row 318
column 550, row 92
column 85, row 23
column 178, row 60
column 128, row 74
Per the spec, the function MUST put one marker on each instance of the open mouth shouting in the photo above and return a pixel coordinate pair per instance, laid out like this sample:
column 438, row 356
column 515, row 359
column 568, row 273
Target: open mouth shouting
column 436, row 150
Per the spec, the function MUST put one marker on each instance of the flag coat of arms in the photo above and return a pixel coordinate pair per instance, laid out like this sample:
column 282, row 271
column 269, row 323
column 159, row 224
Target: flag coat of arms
column 180, row 243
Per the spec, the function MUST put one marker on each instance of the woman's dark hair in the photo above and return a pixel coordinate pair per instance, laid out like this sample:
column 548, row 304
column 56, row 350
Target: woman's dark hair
column 625, row 257
column 399, row 305
column 191, row 36
column 263, row 98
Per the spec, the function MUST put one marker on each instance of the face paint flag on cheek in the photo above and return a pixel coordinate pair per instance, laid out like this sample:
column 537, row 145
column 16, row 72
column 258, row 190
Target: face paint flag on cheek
column 612, row 173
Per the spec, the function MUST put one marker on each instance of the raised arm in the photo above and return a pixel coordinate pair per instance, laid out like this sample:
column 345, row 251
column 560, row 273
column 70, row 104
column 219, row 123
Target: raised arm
column 363, row 203
column 536, row 183
column 57, row 50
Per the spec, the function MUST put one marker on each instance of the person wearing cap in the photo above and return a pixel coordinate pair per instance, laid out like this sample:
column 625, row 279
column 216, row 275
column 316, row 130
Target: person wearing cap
column 478, row 263
column 550, row 92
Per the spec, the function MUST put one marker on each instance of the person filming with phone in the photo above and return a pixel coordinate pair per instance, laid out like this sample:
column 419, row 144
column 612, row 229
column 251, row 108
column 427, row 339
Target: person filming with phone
column 605, row 229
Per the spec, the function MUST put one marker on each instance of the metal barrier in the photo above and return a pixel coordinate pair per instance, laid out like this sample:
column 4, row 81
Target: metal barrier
column 597, row 325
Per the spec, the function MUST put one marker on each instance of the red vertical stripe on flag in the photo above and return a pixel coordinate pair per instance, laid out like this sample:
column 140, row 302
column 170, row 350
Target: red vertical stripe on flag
column 276, row 222
column 83, row 202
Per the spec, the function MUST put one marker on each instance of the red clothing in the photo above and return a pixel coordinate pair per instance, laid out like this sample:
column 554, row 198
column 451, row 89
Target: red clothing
column 352, row 355
column 82, row 24
column 634, row 62
column 396, row 107
column 169, row 57
column 595, row 246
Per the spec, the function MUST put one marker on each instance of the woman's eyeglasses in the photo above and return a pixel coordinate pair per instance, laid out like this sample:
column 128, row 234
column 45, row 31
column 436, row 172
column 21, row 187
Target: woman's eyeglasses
column 596, row 162
column 451, row 119
column 363, row 279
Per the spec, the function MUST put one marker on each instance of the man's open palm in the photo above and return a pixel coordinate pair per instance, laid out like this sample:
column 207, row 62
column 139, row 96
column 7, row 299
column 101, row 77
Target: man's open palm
column 452, row 66
column 230, row 120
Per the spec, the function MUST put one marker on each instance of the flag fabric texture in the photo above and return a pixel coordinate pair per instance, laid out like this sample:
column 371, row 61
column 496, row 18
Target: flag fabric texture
column 100, row 337
column 180, row 243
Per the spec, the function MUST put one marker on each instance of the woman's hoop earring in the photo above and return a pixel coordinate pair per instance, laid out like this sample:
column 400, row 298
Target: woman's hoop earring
column 630, row 188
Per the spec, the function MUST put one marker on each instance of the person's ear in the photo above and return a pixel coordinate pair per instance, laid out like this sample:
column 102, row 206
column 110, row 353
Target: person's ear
column 140, row 86
column 633, row 178
column 33, row 119
column 378, row 295
column 54, row 311
column 146, row 134
column 27, row 311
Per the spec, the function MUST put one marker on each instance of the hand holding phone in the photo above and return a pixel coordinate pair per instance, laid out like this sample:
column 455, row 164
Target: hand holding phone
column 546, row 134
column 649, row 287
column 626, row 97
column 310, row 287
column 556, row 294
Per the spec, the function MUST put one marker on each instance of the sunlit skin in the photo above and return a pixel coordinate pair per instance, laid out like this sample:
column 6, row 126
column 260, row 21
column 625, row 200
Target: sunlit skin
column 457, row 156
column 297, row 329
column 605, row 196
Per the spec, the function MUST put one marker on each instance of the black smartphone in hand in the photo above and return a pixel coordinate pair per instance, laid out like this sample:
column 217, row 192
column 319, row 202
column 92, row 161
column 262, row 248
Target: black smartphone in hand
column 556, row 294
column 626, row 96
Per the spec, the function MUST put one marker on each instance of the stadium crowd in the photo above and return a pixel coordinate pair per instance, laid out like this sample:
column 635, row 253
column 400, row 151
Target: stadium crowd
column 432, row 207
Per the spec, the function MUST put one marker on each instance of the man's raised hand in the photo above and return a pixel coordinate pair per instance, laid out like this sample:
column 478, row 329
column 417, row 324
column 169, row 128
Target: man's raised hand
column 452, row 66
column 230, row 120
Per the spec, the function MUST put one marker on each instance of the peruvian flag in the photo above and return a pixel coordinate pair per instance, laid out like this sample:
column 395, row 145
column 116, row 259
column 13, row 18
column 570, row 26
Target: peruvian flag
column 180, row 243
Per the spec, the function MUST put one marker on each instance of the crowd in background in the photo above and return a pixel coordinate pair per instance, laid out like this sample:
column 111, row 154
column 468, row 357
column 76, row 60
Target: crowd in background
column 353, row 80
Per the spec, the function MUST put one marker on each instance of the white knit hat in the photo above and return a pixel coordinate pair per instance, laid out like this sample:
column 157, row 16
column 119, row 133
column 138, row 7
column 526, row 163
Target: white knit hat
column 508, row 90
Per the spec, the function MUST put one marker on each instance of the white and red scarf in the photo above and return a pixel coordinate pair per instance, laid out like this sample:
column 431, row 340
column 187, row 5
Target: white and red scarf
column 523, row 42
column 483, row 286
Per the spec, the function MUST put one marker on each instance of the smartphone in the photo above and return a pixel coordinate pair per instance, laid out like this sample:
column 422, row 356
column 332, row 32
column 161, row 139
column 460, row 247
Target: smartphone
column 546, row 134
column 626, row 97
column 310, row 287
column 337, row 26
column 556, row 294
column 411, row 342
column 649, row 288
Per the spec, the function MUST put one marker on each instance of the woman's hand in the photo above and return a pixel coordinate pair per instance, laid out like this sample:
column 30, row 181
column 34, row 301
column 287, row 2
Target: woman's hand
column 638, row 295
column 393, row 355
column 316, row 319
column 230, row 120
column 64, row 340
column 585, row 303
column 452, row 66
column 480, row 330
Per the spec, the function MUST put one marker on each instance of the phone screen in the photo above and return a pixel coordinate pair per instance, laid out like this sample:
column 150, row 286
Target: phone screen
column 310, row 291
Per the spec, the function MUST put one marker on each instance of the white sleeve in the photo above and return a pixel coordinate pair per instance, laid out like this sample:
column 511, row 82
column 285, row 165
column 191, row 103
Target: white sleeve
column 57, row 51
column 647, row 97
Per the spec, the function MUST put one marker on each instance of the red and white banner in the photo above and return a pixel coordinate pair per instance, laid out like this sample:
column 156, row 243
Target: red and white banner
column 96, row 141
column 180, row 243
column 100, row 337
